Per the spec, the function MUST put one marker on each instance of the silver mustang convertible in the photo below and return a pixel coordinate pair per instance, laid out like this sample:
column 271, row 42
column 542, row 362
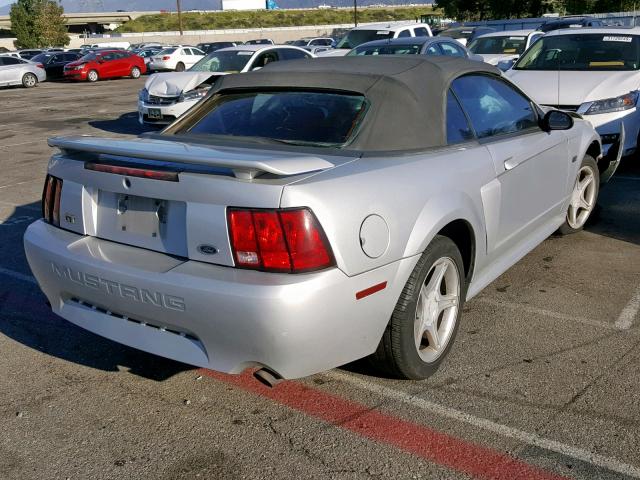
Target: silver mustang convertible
column 310, row 214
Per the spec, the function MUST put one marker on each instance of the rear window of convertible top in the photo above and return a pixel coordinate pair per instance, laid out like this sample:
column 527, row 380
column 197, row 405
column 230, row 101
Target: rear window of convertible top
column 302, row 117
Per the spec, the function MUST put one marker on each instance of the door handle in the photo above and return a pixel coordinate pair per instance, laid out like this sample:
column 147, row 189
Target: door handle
column 510, row 163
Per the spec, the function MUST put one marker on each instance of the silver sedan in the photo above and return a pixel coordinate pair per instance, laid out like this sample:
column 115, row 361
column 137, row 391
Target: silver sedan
column 17, row 71
column 311, row 214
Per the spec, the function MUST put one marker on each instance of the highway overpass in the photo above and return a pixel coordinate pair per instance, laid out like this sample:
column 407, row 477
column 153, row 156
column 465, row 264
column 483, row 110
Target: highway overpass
column 89, row 21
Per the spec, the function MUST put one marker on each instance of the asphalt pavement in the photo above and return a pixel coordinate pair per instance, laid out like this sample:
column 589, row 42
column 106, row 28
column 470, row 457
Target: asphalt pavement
column 542, row 381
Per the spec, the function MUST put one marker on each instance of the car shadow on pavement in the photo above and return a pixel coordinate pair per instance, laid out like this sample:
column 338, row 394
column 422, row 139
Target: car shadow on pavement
column 618, row 212
column 26, row 318
column 127, row 123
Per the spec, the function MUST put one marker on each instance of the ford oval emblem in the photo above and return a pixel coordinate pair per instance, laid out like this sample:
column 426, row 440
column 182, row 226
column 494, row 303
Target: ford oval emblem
column 207, row 249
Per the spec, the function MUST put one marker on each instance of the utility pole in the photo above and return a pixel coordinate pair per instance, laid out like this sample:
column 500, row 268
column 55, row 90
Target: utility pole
column 179, row 16
column 355, row 13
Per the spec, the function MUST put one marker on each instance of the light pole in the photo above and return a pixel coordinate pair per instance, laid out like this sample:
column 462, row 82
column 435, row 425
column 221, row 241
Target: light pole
column 355, row 13
column 179, row 16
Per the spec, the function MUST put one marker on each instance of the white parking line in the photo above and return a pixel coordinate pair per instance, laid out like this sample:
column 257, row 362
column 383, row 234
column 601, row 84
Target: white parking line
column 18, row 275
column 19, row 183
column 629, row 312
column 547, row 313
column 23, row 143
column 488, row 425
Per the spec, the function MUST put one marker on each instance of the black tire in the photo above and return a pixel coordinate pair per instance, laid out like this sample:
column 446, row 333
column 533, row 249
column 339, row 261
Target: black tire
column 180, row 67
column 397, row 354
column 92, row 76
column 568, row 227
column 135, row 72
column 29, row 80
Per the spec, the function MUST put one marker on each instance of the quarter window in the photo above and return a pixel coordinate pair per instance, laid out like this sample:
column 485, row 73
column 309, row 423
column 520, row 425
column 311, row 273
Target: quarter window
column 451, row 50
column 421, row 32
column 433, row 50
column 458, row 129
column 404, row 33
column 10, row 61
column 493, row 106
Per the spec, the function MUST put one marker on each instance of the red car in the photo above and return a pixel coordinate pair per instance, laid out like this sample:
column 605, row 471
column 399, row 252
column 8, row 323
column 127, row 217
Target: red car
column 105, row 64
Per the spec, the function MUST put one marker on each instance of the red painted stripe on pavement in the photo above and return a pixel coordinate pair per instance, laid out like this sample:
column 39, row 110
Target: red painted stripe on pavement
column 437, row 447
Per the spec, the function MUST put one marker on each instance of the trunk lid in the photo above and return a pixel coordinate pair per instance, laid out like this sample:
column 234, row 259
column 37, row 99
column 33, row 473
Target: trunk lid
column 185, row 217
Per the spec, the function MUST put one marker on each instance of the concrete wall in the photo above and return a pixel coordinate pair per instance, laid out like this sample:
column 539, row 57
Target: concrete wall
column 277, row 34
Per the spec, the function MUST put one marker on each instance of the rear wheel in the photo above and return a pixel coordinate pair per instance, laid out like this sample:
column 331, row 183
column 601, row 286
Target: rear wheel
column 425, row 320
column 135, row 72
column 29, row 80
column 180, row 67
column 583, row 197
column 92, row 76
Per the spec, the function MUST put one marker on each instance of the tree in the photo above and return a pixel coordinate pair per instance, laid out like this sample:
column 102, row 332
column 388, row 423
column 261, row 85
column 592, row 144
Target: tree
column 51, row 24
column 38, row 23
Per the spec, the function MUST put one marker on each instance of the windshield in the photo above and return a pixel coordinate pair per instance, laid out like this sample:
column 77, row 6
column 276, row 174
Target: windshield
column 508, row 44
column 297, row 117
column 385, row 50
column 225, row 61
column 358, row 37
column 583, row 52
column 166, row 51
column 299, row 43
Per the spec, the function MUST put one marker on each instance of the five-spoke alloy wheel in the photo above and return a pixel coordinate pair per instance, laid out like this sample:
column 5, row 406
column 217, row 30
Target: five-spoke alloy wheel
column 29, row 80
column 425, row 320
column 583, row 197
column 437, row 309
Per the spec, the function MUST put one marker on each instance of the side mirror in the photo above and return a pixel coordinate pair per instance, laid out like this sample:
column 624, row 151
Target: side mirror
column 556, row 120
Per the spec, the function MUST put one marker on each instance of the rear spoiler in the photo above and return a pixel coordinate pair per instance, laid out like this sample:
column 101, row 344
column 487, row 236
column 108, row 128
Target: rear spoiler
column 244, row 164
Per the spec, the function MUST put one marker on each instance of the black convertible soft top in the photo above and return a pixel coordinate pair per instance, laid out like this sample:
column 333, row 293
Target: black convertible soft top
column 407, row 94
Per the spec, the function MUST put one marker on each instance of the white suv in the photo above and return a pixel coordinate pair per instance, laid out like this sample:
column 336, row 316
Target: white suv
column 377, row 31
column 175, row 58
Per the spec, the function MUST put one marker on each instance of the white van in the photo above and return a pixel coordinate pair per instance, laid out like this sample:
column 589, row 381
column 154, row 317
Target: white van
column 123, row 45
column 377, row 31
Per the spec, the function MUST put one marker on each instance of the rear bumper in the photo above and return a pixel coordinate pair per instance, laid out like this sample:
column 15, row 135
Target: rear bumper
column 211, row 316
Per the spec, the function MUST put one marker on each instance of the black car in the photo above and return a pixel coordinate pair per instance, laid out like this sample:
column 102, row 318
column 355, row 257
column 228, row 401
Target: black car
column 54, row 62
column 570, row 22
column 213, row 46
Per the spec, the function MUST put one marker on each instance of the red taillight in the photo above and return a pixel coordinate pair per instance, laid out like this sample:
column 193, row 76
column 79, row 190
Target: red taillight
column 166, row 57
column 133, row 172
column 278, row 240
column 39, row 65
column 51, row 200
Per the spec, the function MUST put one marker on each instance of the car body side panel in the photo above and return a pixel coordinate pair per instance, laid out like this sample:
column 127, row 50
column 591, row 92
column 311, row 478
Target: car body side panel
column 528, row 193
column 414, row 202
